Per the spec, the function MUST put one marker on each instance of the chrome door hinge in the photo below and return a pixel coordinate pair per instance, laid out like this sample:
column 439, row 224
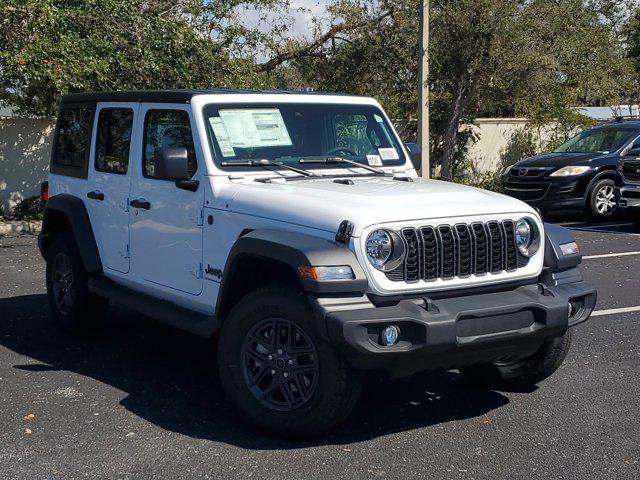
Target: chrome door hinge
column 125, row 207
column 126, row 253
column 197, row 271
column 201, row 217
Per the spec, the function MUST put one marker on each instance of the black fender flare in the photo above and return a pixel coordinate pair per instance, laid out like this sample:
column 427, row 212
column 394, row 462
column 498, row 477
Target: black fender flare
column 76, row 213
column 294, row 250
column 554, row 259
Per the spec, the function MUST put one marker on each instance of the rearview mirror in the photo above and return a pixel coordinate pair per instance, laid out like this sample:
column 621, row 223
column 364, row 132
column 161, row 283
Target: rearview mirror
column 415, row 155
column 171, row 163
column 634, row 152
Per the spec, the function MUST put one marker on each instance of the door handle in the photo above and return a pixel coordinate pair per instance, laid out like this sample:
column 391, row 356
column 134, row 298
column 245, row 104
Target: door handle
column 96, row 195
column 140, row 203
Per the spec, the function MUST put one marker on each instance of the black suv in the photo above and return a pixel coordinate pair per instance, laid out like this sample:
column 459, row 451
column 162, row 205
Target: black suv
column 579, row 174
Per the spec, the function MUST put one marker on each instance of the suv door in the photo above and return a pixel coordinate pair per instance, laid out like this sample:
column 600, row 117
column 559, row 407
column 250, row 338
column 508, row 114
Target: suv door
column 109, row 181
column 166, row 221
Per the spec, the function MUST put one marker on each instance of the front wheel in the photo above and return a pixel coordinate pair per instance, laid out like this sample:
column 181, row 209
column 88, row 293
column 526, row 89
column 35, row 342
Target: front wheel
column 525, row 373
column 602, row 200
column 278, row 371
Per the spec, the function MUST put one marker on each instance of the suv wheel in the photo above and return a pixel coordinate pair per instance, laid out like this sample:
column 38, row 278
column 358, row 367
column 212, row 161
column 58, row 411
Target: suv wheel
column 72, row 305
column 525, row 373
column 278, row 371
column 602, row 200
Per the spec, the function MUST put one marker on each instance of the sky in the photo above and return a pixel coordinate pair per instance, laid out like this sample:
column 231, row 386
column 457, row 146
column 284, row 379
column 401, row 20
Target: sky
column 300, row 19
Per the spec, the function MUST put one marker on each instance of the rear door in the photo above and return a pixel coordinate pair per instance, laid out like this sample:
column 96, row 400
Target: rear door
column 109, row 182
column 166, row 224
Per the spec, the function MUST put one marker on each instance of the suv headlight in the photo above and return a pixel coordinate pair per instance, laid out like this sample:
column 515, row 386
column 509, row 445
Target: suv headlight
column 527, row 237
column 570, row 171
column 385, row 249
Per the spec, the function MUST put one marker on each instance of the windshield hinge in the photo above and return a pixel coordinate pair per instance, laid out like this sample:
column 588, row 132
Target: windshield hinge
column 344, row 232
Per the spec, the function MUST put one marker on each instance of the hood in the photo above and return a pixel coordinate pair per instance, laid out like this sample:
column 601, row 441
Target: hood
column 560, row 159
column 323, row 203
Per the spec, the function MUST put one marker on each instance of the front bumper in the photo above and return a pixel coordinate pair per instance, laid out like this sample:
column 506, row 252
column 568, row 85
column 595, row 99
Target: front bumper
column 455, row 332
column 547, row 193
column 628, row 195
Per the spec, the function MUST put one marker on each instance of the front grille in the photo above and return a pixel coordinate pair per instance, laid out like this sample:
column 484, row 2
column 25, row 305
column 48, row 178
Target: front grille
column 461, row 250
column 529, row 171
column 631, row 171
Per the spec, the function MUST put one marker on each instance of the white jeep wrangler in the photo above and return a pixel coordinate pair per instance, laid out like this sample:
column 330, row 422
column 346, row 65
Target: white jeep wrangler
column 292, row 229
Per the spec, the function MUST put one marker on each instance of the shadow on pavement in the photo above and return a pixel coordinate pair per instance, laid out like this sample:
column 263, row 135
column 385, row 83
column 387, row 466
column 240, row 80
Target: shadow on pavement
column 170, row 380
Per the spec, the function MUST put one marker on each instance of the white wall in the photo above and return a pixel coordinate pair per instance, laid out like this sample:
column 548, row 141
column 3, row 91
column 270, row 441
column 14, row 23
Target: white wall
column 25, row 146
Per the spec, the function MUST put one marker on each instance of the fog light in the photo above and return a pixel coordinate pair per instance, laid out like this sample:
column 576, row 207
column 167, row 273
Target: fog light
column 390, row 335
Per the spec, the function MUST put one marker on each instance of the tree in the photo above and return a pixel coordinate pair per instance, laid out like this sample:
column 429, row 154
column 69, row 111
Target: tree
column 535, row 58
column 51, row 47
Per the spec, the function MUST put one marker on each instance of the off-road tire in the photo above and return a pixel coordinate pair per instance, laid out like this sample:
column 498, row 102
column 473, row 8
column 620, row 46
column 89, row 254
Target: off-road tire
column 603, row 185
column 526, row 373
column 337, row 386
column 84, row 311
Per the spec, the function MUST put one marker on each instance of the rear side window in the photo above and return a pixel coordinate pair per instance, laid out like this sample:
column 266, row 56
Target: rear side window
column 167, row 128
column 73, row 139
column 114, row 140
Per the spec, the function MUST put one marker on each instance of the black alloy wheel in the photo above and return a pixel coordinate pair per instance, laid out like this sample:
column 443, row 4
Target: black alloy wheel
column 280, row 364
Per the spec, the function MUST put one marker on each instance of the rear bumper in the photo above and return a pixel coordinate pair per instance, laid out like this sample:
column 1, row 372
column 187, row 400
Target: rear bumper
column 455, row 332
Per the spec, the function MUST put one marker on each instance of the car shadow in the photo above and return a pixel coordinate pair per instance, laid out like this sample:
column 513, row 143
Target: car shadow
column 170, row 380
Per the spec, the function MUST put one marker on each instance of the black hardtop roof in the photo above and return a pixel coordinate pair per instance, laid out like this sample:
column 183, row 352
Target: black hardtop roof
column 172, row 96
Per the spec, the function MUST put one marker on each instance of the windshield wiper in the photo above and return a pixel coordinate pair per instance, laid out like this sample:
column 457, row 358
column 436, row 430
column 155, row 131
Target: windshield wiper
column 343, row 160
column 268, row 163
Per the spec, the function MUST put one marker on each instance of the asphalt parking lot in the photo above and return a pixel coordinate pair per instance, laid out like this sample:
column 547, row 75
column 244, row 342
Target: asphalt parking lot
column 140, row 400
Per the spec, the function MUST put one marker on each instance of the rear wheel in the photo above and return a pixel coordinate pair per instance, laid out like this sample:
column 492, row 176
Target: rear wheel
column 602, row 200
column 72, row 305
column 525, row 373
column 278, row 371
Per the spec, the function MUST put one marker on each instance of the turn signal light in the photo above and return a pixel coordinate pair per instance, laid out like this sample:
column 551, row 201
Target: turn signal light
column 319, row 274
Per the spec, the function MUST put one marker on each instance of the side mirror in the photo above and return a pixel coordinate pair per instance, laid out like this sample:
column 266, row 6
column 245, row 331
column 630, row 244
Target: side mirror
column 171, row 163
column 634, row 152
column 415, row 154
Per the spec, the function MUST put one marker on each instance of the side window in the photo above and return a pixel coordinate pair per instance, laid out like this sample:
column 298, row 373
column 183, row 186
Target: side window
column 167, row 128
column 73, row 138
column 114, row 140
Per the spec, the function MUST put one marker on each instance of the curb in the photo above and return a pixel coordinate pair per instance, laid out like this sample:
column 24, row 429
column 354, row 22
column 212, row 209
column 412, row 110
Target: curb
column 31, row 227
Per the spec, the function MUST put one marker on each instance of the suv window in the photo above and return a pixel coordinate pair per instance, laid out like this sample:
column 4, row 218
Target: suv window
column 114, row 140
column 73, row 138
column 167, row 128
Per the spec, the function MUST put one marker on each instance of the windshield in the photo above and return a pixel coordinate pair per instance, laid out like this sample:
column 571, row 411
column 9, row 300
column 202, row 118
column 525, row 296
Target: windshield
column 605, row 140
column 289, row 132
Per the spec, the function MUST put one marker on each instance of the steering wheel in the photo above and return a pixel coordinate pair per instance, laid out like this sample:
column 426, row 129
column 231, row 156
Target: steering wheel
column 340, row 150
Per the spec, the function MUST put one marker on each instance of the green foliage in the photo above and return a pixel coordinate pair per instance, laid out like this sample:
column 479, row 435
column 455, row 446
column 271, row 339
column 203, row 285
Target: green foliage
column 28, row 209
column 52, row 47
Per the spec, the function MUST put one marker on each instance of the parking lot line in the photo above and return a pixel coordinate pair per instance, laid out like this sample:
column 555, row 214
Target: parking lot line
column 613, row 311
column 609, row 255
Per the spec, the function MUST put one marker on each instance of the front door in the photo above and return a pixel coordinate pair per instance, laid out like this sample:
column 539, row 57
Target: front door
column 108, row 183
column 166, row 221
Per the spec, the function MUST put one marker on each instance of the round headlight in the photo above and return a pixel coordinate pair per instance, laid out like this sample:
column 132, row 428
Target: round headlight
column 385, row 249
column 525, row 238
column 379, row 248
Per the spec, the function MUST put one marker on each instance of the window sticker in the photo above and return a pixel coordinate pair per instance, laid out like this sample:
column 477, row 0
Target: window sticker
column 378, row 118
column 388, row 153
column 374, row 160
column 221, row 136
column 256, row 127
